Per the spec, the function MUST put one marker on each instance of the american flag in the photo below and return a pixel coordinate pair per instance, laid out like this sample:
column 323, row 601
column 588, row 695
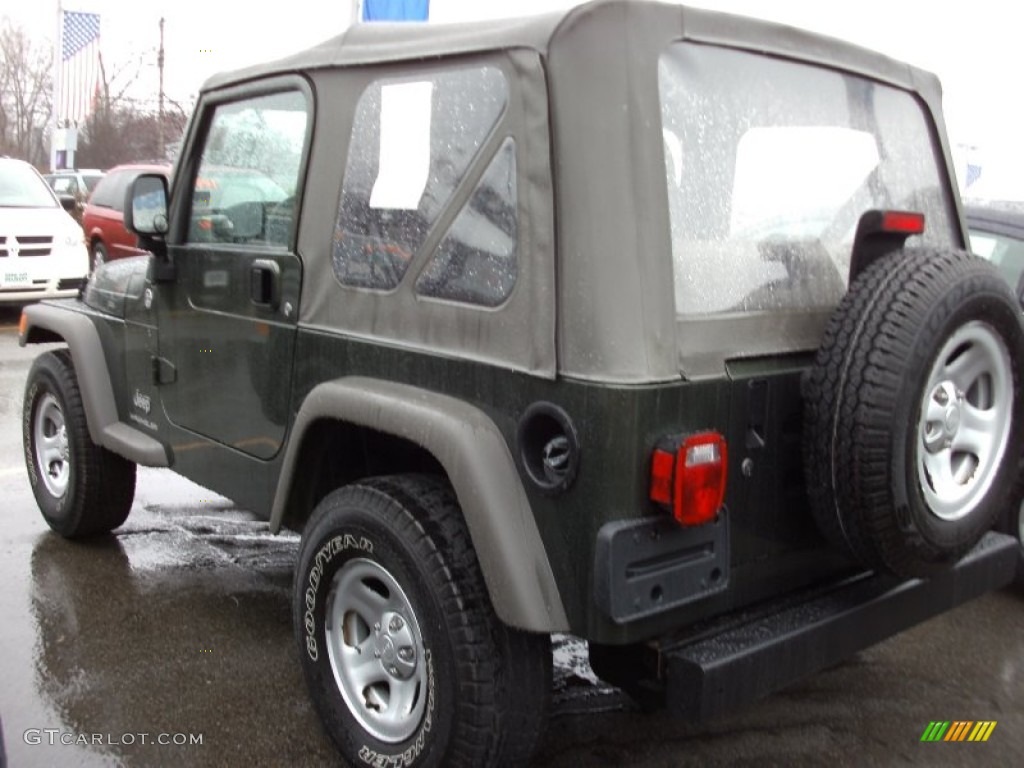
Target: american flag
column 79, row 67
column 973, row 174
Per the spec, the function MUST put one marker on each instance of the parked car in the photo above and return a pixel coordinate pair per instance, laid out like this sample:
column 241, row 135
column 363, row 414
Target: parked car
column 997, row 234
column 623, row 321
column 103, row 219
column 77, row 183
column 42, row 251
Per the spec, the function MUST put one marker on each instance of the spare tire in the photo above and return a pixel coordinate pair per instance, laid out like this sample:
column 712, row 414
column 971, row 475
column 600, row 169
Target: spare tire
column 912, row 411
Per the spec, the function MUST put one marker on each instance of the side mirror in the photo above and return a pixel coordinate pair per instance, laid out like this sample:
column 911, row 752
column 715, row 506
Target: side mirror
column 145, row 206
column 68, row 203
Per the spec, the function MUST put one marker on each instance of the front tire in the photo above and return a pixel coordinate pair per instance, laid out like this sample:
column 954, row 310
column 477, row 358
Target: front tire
column 81, row 488
column 405, row 659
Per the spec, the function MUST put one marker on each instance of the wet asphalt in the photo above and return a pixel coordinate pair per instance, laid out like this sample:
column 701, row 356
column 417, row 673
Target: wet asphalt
column 178, row 628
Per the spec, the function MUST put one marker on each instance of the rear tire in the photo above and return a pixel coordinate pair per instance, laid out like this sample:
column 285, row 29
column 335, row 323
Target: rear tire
column 405, row 659
column 913, row 417
column 81, row 488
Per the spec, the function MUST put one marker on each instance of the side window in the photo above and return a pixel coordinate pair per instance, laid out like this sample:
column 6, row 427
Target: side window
column 107, row 192
column 1006, row 253
column 412, row 143
column 65, row 185
column 476, row 261
column 244, row 192
column 118, row 189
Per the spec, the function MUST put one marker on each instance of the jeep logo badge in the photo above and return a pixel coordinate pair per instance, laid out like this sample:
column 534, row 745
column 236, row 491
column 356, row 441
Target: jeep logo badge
column 141, row 402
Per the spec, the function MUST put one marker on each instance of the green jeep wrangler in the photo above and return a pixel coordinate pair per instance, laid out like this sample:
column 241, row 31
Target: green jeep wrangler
column 646, row 324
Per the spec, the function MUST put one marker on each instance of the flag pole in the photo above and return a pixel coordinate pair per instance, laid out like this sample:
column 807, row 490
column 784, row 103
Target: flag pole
column 58, row 46
column 161, row 151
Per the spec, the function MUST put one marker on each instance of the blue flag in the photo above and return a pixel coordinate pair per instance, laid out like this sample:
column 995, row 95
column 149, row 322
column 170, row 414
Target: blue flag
column 973, row 174
column 395, row 10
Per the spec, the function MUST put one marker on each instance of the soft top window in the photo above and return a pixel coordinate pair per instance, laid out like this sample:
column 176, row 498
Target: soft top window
column 476, row 263
column 412, row 144
column 769, row 164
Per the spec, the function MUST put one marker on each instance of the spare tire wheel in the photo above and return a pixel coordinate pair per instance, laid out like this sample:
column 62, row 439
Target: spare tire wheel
column 912, row 412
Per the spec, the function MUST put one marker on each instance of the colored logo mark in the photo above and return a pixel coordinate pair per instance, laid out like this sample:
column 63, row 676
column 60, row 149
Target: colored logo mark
column 959, row 730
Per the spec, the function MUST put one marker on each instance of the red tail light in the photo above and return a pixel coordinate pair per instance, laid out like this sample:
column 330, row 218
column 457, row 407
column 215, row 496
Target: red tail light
column 688, row 477
column 902, row 222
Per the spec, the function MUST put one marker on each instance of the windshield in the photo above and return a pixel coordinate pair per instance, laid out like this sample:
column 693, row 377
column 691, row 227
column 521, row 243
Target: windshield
column 22, row 187
column 769, row 165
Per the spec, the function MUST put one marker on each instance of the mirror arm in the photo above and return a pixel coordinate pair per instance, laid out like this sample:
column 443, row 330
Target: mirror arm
column 163, row 269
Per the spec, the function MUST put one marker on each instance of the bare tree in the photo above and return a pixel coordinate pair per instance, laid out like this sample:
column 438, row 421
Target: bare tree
column 124, row 128
column 26, row 94
column 128, row 133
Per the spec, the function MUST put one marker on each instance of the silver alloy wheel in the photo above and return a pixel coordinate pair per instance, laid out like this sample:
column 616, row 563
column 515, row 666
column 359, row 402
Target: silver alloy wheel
column 965, row 420
column 53, row 453
column 376, row 650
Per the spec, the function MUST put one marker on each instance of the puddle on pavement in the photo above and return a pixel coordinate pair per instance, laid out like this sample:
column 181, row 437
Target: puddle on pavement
column 182, row 623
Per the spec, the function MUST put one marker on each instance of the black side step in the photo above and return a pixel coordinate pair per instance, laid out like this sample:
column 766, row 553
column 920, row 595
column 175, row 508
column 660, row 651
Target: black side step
column 715, row 675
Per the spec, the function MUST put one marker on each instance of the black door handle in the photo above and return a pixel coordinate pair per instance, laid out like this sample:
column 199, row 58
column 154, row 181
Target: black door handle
column 265, row 283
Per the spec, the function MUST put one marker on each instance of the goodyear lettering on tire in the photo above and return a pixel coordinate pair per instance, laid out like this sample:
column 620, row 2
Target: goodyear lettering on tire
column 323, row 557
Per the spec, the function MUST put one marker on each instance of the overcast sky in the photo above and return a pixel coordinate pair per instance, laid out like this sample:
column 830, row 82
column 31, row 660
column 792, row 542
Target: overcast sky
column 974, row 47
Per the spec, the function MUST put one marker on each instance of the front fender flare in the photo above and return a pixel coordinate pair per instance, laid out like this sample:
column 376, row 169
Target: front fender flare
column 481, row 469
column 53, row 323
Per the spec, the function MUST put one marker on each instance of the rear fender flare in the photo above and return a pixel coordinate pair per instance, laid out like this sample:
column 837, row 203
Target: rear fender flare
column 473, row 452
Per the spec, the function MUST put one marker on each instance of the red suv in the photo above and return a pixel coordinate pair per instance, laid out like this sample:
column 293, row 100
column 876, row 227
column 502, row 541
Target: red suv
column 103, row 219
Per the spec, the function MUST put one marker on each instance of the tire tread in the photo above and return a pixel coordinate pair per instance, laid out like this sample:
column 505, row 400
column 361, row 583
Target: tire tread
column 504, row 674
column 871, row 348
column 104, row 483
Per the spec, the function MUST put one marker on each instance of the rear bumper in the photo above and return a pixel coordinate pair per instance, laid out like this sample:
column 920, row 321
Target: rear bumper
column 746, row 658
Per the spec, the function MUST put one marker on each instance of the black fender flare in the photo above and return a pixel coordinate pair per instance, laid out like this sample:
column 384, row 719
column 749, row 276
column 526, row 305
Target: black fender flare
column 481, row 469
column 43, row 323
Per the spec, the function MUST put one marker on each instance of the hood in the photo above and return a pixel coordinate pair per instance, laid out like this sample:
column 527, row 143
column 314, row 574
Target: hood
column 115, row 282
column 35, row 222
